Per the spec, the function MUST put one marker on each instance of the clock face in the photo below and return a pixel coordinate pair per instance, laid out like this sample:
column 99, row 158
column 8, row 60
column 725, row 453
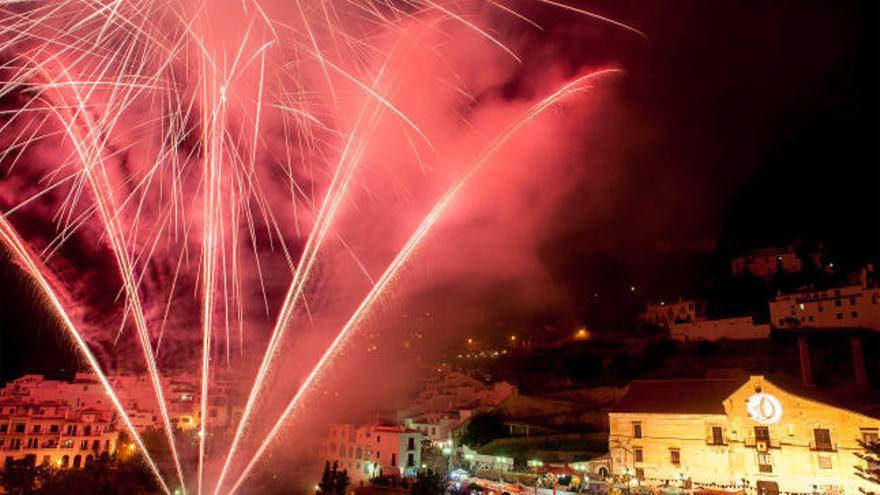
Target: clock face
column 764, row 408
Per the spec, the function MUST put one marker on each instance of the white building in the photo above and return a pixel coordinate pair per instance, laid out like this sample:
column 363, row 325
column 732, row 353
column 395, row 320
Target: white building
column 54, row 433
column 854, row 306
column 739, row 328
column 665, row 314
column 368, row 451
column 764, row 263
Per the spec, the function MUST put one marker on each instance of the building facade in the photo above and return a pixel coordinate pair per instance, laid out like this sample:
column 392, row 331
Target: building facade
column 54, row 433
column 372, row 450
column 666, row 314
column 739, row 328
column 744, row 435
column 766, row 262
column 853, row 306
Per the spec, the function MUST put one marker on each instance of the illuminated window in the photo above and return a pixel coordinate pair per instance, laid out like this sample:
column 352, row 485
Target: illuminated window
column 765, row 462
column 675, row 456
column 637, row 430
column 870, row 436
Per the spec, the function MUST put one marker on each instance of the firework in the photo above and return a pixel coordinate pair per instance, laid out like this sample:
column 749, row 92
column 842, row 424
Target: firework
column 197, row 142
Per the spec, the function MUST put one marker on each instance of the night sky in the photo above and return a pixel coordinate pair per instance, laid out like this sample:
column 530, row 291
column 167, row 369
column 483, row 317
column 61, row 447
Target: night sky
column 747, row 123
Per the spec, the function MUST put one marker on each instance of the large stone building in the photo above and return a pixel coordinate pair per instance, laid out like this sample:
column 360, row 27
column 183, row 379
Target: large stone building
column 371, row 450
column 743, row 435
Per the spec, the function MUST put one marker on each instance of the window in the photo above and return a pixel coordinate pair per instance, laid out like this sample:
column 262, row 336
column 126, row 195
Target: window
column 67, row 444
column 854, row 314
column 96, row 445
column 762, row 434
column 36, row 428
column 717, row 435
column 852, row 301
column 84, row 445
column 839, row 316
column 411, row 443
column 675, row 456
column 640, row 474
column 638, row 455
column 822, row 437
column 765, row 462
column 393, row 459
column 637, row 430
column 54, row 429
column 88, row 430
column 19, row 428
column 870, row 436
column 837, row 303
column 821, row 309
column 810, row 318
column 410, row 460
column 4, row 428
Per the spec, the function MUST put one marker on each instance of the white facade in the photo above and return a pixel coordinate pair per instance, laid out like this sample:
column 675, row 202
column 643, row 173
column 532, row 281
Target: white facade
column 665, row 314
column 368, row 451
column 764, row 263
column 855, row 306
column 54, row 433
column 739, row 328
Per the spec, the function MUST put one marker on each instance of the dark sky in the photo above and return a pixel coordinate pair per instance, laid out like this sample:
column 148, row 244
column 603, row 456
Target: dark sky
column 750, row 122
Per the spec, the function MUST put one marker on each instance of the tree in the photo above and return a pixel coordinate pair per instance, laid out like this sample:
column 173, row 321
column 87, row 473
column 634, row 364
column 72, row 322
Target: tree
column 427, row 483
column 333, row 481
column 484, row 428
column 871, row 456
column 105, row 475
column 20, row 477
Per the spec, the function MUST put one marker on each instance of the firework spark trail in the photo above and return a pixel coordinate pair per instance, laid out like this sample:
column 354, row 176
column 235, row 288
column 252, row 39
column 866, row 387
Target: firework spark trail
column 348, row 162
column 406, row 252
column 22, row 254
column 89, row 150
